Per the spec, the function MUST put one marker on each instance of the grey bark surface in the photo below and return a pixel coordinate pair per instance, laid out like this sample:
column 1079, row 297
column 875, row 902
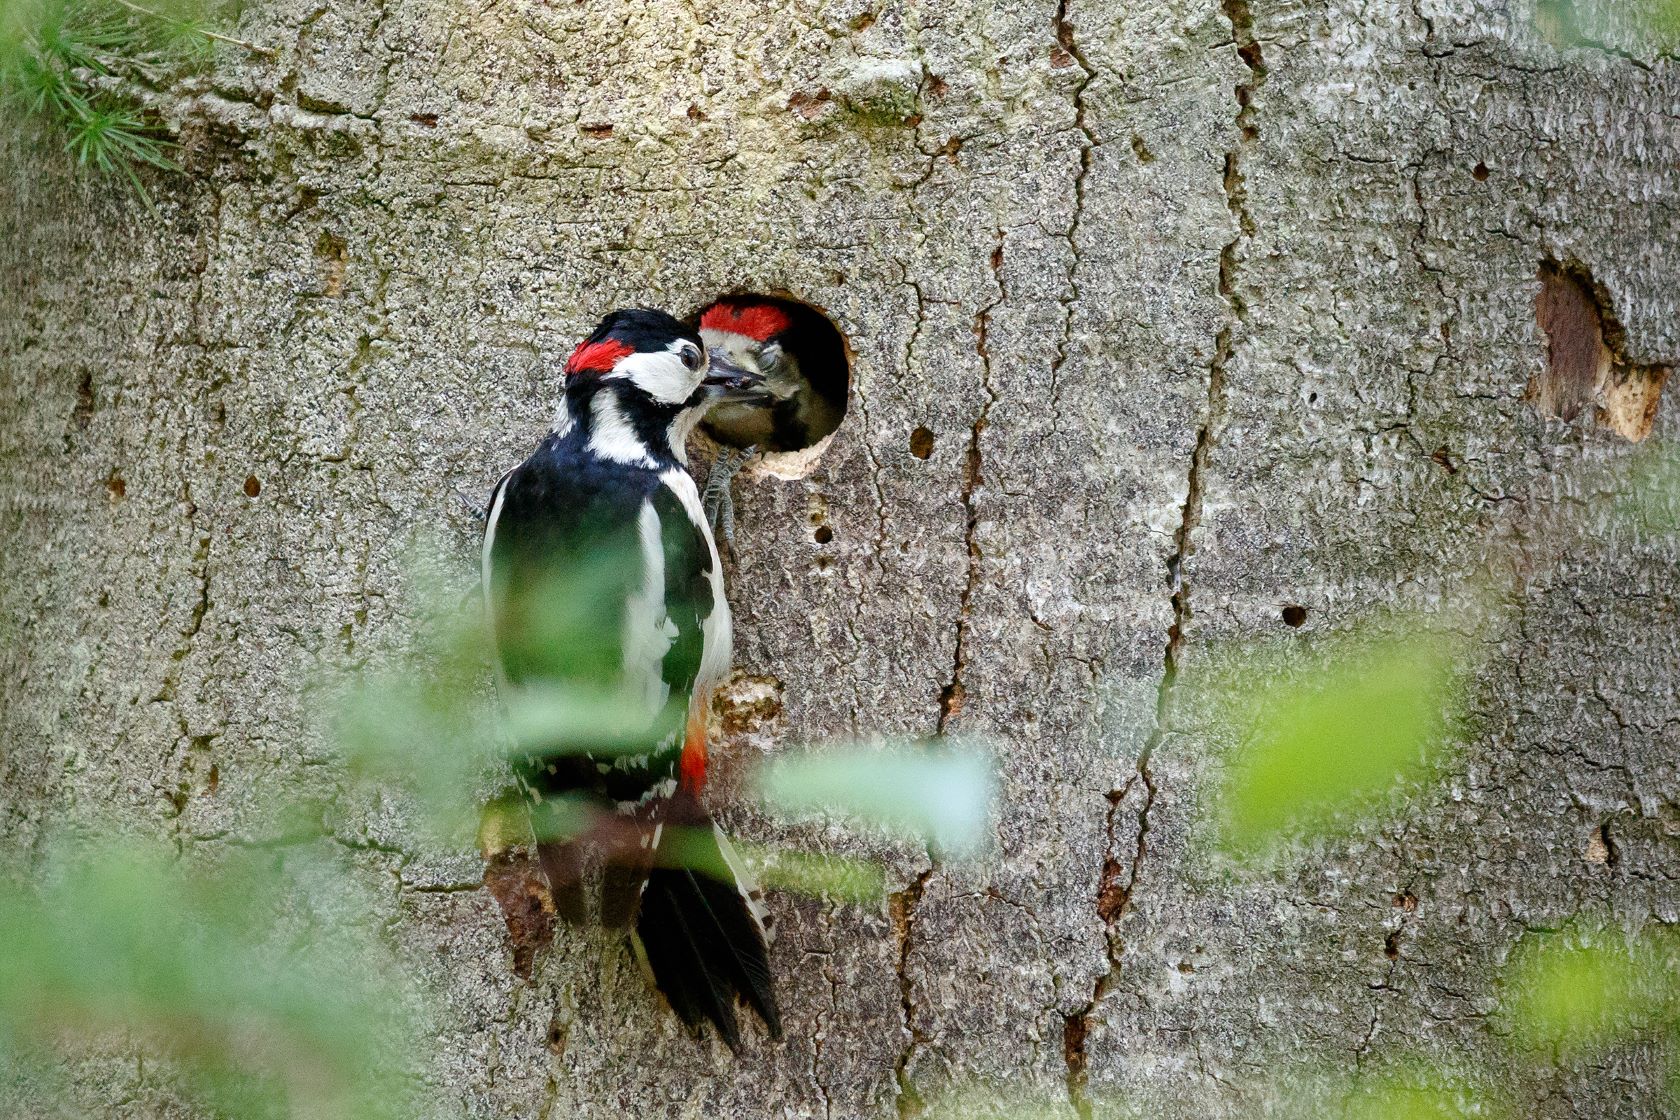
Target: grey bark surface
column 1176, row 287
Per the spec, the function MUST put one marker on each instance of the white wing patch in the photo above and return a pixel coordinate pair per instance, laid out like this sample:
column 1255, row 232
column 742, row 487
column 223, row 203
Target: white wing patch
column 490, row 522
column 717, row 639
column 648, row 629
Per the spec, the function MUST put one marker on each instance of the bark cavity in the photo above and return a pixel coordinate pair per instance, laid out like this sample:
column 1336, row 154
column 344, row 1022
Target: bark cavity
column 1587, row 368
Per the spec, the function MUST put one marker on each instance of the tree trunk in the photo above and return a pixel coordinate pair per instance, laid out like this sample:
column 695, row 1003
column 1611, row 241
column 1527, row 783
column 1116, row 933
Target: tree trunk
column 1177, row 327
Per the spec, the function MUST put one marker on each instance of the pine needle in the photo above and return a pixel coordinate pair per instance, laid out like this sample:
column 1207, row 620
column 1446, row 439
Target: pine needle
column 53, row 54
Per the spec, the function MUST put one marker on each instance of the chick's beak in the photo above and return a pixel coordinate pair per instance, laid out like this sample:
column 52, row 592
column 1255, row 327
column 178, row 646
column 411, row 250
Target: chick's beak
column 734, row 381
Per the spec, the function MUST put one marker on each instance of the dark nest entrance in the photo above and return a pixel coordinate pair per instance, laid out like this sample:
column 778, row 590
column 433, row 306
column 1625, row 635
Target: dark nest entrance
column 806, row 365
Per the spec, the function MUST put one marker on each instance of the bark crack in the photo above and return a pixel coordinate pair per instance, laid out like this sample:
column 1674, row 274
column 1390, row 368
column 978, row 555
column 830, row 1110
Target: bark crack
column 1088, row 145
column 874, row 479
column 1118, row 882
column 909, row 1102
column 904, row 903
column 951, row 698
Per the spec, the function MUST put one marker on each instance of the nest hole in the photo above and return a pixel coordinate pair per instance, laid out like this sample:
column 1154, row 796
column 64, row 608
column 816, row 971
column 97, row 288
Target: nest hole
column 807, row 365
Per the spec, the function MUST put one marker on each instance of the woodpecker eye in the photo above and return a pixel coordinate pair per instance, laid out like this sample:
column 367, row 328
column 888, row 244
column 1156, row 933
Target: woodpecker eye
column 691, row 357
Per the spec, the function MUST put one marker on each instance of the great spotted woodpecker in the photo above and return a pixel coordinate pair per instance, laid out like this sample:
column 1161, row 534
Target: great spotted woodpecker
column 601, row 575
column 802, row 358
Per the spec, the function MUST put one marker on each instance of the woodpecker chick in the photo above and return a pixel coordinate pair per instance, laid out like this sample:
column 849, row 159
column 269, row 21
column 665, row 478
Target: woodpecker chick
column 802, row 360
column 602, row 581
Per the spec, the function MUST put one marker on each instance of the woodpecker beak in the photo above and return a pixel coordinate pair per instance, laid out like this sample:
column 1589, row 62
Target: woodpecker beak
column 733, row 381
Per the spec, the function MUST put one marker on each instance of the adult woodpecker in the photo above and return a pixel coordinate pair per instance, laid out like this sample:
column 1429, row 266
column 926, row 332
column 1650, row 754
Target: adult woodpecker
column 802, row 358
column 602, row 579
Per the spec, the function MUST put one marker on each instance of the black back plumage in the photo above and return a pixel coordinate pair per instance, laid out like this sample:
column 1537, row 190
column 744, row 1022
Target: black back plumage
column 565, row 558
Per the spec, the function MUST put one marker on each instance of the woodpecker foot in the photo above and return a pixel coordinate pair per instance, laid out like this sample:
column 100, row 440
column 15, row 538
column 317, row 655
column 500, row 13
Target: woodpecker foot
column 717, row 501
column 477, row 512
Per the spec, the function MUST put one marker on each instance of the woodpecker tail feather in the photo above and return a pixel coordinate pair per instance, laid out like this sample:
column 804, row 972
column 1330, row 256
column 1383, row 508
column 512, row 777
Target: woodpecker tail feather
column 701, row 932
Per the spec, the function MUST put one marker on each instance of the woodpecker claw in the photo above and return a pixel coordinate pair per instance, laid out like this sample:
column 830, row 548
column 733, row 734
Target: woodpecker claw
column 477, row 512
column 717, row 501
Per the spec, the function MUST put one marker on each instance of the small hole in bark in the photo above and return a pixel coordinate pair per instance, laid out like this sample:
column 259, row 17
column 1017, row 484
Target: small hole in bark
column 921, row 443
column 807, row 366
column 253, row 486
column 1391, row 945
column 116, row 486
column 1295, row 615
column 823, row 534
column 1480, row 173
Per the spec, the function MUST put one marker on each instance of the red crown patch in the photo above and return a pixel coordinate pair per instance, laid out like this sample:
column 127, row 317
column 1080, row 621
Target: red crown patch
column 758, row 321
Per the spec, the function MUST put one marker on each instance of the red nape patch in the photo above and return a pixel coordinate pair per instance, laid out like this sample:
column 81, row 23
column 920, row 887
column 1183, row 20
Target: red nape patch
column 758, row 321
column 597, row 357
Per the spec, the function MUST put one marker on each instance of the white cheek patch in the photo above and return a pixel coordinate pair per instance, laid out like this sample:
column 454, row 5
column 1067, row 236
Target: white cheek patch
column 660, row 374
column 611, row 435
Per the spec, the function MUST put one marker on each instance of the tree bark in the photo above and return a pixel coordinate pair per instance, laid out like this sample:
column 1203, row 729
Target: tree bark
column 1191, row 313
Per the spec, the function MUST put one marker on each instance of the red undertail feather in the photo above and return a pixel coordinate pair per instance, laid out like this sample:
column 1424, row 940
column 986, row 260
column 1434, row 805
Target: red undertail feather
column 691, row 768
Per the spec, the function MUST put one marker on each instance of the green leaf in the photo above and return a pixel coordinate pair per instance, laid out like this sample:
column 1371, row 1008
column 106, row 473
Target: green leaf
column 1584, row 993
column 841, row 878
column 1330, row 732
column 941, row 796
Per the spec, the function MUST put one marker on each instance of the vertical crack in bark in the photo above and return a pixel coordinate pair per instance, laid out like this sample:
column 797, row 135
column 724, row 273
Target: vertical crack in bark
column 819, row 1030
column 874, row 478
column 904, row 903
column 1088, row 146
column 951, row 699
column 1119, row 878
column 909, row 1102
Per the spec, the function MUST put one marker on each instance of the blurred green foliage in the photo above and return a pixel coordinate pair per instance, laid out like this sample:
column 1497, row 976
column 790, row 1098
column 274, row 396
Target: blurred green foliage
column 1654, row 24
column 1649, row 488
column 941, row 796
column 1582, row 990
column 427, row 725
column 264, row 1011
column 111, row 943
column 1331, row 734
